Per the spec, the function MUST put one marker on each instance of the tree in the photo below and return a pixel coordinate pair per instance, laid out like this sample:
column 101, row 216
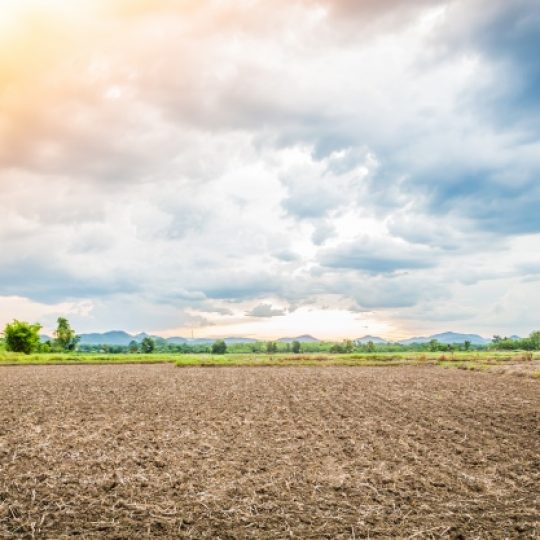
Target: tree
column 21, row 336
column 467, row 345
column 219, row 347
column 433, row 345
column 296, row 347
column 148, row 345
column 271, row 347
column 133, row 346
column 65, row 338
column 534, row 337
column 370, row 346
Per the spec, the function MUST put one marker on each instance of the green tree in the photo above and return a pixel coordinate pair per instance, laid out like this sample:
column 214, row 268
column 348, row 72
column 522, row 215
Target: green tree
column 467, row 345
column 219, row 347
column 271, row 347
column 133, row 346
column 22, row 337
column 296, row 347
column 534, row 337
column 433, row 345
column 45, row 347
column 65, row 338
column 370, row 346
column 148, row 345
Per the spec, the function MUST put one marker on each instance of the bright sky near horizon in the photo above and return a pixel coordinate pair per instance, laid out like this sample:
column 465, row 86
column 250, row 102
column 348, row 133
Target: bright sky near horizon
column 270, row 168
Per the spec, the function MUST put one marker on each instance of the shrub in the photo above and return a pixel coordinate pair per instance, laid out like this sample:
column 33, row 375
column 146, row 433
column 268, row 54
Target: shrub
column 219, row 347
column 22, row 337
column 148, row 345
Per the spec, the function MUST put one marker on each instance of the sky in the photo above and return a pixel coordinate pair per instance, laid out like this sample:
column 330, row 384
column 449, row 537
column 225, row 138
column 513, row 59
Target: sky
column 269, row 168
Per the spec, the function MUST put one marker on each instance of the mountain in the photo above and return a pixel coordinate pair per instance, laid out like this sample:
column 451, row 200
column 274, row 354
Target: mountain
column 373, row 339
column 233, row 340
column 448, row 338
column 200, row 341
column 301, row 339
column 176, row 340
column 115, row 337
column 119, row 337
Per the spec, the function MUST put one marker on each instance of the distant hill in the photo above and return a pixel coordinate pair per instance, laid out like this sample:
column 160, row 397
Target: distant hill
column 119, row 337
column 200, row 341
column 373, row 339
column 115, row 337
column 122, row 338
column 176, row 340
column 301, row 339
column 233, row 340
column 448, row 338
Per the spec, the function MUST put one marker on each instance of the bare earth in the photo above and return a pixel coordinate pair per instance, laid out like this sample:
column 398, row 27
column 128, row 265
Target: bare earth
column 158, row 451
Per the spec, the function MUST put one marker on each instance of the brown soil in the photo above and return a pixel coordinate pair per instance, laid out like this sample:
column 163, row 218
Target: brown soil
column 157, row 451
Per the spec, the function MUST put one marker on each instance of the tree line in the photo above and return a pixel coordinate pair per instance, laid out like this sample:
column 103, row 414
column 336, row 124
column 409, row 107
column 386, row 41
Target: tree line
column 24, row 337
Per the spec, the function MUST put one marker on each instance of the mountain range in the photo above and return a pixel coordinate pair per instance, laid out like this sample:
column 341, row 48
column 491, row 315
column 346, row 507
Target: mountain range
column 119, row 337
column 373, row 339
column 448, row 338
column 122, row 338
column 301, row 339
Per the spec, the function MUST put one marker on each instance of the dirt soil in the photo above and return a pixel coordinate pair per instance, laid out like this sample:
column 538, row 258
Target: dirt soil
column 159, row 451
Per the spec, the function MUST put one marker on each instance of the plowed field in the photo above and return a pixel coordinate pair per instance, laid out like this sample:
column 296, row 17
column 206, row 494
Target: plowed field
column 159, row 451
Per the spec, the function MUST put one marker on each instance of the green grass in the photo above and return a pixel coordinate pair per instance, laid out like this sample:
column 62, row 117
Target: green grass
column 285, row 360
column 462, row 360
column 7, row 358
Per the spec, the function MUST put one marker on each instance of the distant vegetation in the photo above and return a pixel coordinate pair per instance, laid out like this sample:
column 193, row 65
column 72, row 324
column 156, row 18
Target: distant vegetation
column 23, row 337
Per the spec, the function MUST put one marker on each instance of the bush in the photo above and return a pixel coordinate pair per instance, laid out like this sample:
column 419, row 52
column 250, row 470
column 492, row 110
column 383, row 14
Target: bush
column 219, row 347
column 148, row 345
column 22, row 337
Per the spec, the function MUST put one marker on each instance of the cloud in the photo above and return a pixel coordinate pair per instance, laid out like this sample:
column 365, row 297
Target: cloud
column 265, row 310
column 505, row 35
column 377, row 256
column 165, row 161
